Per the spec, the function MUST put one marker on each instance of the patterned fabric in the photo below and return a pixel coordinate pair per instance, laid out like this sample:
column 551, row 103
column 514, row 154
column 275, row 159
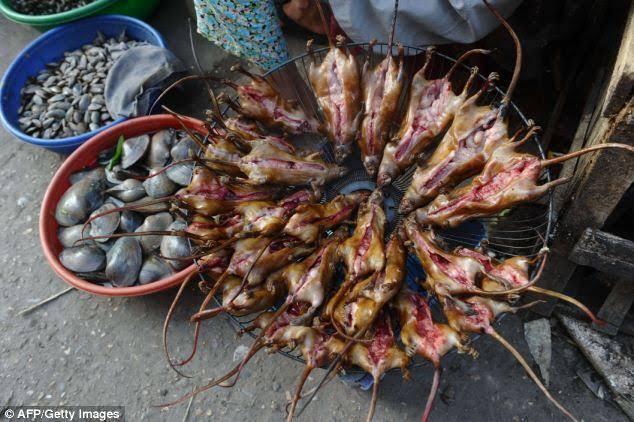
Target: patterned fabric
column 250, row 29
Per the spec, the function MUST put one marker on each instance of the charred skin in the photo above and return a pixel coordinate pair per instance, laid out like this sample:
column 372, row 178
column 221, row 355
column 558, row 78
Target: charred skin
column 447, row 274
column 266, row 163
column 209, row 195
column 473, row 136
column 258, row 100
column 474, row 314
column 251, row 299
column 363, row 253
column 212, row 229
column 420, row 334
column 248, row 130
column 215, row 263
column 309, row 281
column 336, row 84
column 250, row 218
column 508, row 179
column 360, row 307
column 381, row 88
column 316, row 347
column 513, row 271
column 432, row 105
column 278, row 253
column 265, row 218
column 262, row 217
column 223, row 156
column 380, row 355
column 310, row 220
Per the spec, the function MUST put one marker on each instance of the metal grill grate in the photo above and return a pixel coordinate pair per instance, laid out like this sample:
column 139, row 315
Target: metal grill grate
column 524, row 230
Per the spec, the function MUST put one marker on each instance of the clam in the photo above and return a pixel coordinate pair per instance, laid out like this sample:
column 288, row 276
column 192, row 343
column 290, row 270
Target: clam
column 71, row 236
column 180, row 173
column 107, row 245
column 176, row 246
column 104, row 225
column 81, row 199
column 115, row 175
column 130, row 221
column 153, row 269
column 77, row 176
column 133, row 150
column 160, row 145
column 124, row 262
column 184, row 149
column 159, row 185
column 156, row 222
column 86, row 258
column 127, row 191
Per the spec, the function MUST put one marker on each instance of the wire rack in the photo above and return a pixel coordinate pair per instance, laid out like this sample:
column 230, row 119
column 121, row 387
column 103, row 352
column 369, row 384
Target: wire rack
column 524, row 230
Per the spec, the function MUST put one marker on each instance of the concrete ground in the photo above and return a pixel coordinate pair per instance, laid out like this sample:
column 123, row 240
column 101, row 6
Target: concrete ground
column 87, row 350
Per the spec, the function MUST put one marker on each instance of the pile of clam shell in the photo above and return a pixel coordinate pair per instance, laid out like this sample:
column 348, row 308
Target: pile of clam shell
column 46, row 7
column 126, row 261
column 66, row 98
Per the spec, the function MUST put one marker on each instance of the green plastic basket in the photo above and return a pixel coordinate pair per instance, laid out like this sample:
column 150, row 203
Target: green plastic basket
column 137, row 8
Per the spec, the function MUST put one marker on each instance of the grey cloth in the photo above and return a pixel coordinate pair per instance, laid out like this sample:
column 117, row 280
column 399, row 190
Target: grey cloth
column 420, row 22
column 138, row 77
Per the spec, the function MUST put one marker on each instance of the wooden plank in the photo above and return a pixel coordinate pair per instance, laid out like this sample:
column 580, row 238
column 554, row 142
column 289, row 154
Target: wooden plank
column 591, row 110
column 619, row 89
column 616, row 307
column 612, row 359
column 597, row 190
column 605, row 252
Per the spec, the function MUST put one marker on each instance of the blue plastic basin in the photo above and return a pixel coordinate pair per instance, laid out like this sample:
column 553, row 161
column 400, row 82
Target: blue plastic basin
column 50, row 47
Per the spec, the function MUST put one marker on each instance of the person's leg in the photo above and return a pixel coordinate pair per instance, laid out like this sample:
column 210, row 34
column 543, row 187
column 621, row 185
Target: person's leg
column 250, row 29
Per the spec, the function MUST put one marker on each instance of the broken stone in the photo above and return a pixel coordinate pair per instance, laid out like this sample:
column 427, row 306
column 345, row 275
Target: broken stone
column 593, row 381
column 240, row 352
column 537, row 335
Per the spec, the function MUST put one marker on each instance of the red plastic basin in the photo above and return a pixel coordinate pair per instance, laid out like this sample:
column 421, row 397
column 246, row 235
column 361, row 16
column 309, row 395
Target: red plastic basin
column 86, row 156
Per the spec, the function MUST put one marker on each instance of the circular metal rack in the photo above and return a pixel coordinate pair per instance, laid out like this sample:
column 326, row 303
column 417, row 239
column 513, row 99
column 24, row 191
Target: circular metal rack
column 523, row 230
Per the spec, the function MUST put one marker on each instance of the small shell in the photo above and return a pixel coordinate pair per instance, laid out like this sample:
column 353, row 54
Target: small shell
column 128, row 191
column 184, row 149
column 124, row 262
column 130, row 221
column 106, row 246
column 159, row 185
column 113, row 176
column 176, row 246
column 157, row 222
column 81, row 199
column 76, row 177
column 105, row 225
column 83, row 259
column 153, row 269
column 133, row 150
column 180, row 173
column 71, row 236
column 160, row 144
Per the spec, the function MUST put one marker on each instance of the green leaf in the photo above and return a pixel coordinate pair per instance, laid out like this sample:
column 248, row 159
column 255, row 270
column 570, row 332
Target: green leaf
column 117, row 153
